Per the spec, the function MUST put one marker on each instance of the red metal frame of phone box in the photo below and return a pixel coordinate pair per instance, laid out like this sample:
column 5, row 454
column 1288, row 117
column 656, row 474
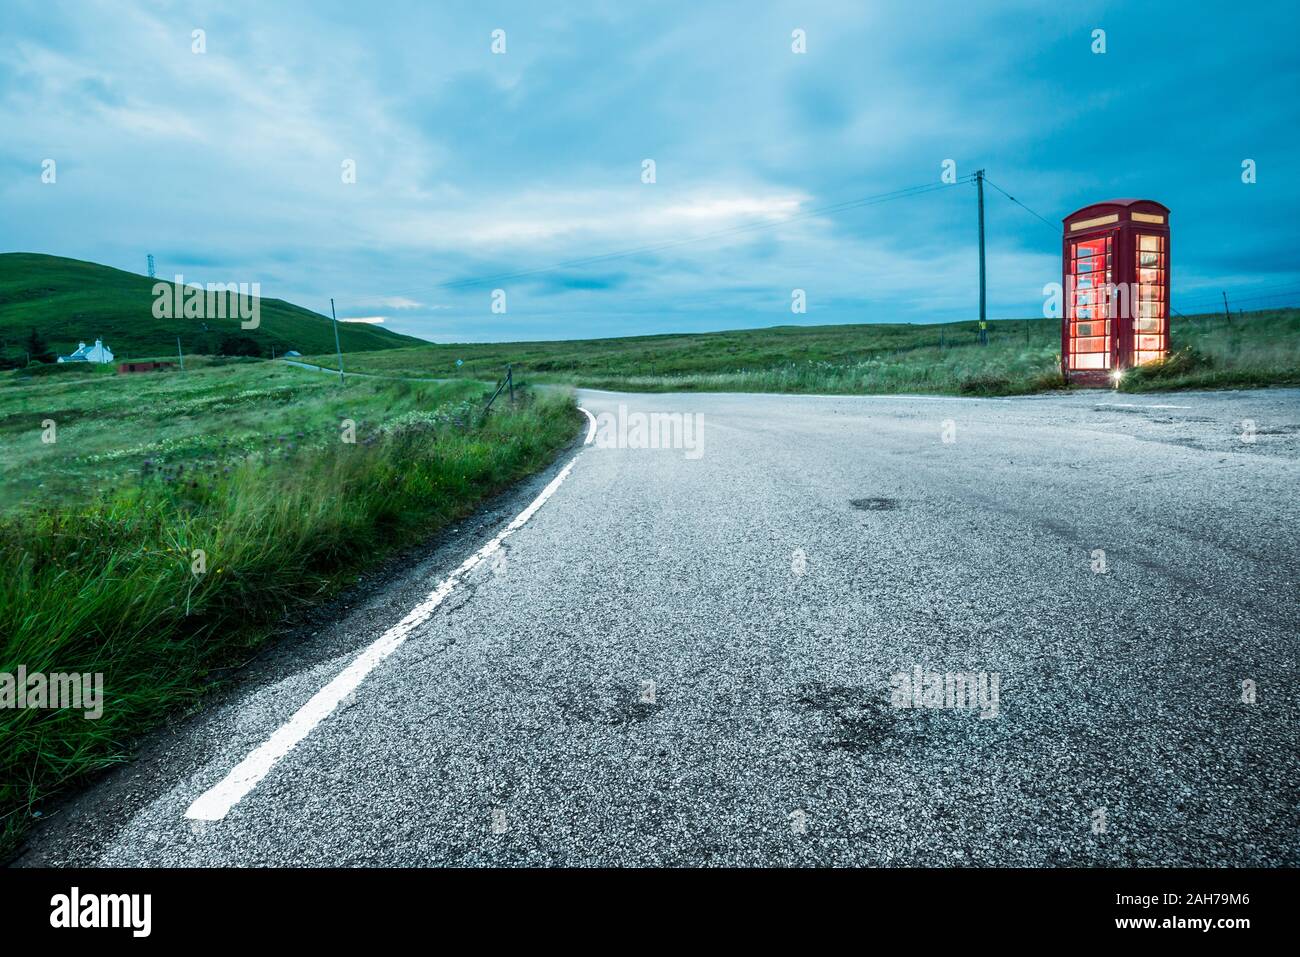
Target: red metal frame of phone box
column 1122, row 221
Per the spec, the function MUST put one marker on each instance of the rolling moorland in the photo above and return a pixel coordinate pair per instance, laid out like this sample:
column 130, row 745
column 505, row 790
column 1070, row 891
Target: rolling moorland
column 1023, row 356
column 69, row 301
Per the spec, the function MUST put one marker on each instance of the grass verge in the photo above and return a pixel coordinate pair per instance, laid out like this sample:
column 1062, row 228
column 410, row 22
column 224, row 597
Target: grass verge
column 110, row 582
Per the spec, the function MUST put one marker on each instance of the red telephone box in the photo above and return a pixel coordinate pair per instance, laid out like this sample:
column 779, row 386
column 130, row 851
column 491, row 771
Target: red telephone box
column 1115, row 265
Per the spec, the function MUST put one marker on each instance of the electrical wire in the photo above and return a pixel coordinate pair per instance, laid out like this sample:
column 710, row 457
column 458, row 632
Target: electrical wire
column 1054, row 227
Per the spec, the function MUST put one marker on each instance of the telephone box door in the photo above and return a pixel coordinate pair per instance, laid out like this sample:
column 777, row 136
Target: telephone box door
column 1090, row 334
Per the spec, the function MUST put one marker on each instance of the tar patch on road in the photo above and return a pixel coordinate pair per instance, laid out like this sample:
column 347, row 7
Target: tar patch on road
column 613, row 705
column 875, row 504
column 860, row 721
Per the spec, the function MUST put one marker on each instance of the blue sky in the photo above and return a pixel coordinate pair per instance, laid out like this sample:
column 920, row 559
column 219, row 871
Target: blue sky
column 227, row 165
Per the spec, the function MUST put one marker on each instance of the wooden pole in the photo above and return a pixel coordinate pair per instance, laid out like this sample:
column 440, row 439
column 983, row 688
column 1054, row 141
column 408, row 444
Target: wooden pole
column 984, row 329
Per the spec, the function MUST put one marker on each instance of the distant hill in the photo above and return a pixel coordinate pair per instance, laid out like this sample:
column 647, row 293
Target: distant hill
column 70, row 301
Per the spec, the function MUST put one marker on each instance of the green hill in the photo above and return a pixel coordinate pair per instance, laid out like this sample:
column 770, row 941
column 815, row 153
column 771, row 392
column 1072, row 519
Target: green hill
column 69, row 301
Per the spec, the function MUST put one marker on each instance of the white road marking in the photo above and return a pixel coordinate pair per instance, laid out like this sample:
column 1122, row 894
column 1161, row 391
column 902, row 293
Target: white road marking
column 1139, row 405
column 214, row 803
column 591, row 429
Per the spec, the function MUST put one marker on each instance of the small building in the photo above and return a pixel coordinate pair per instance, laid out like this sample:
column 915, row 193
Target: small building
column 97, row 353
column 1115, row 266
column 127, row 367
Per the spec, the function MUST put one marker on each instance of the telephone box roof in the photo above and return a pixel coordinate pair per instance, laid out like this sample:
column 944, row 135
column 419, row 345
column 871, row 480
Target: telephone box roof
column 1123, row 203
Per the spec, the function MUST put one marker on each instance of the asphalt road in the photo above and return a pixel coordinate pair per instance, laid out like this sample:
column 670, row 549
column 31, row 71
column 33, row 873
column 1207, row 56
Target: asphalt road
column 516, row 724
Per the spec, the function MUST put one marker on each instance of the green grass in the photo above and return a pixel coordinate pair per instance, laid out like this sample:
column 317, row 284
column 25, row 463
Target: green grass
column 1023, row 356
column 69, row 301
column 244, row 461
column 1253, row 350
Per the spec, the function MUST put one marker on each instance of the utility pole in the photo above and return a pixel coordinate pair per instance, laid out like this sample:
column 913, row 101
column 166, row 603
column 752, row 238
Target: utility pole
column 1227, row 313
column 984, row 326
column 338, row 348
column 180, row 355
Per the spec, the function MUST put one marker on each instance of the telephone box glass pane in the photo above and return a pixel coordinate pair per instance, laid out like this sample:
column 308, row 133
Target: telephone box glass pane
column 1151, row 313
column 1099, row 360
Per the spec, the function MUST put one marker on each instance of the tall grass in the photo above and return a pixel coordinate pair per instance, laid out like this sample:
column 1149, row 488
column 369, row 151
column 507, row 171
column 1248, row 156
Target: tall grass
column 1213, row 351
column 107, row 584
column 928, row 369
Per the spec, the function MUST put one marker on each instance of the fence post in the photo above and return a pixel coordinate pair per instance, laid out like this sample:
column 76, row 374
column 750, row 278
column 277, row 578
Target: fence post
column 507, row 381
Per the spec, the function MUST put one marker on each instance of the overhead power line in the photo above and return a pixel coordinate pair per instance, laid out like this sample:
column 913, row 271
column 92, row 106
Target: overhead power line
column 1054, row 227
column 1215, row 302
column 1207, row 295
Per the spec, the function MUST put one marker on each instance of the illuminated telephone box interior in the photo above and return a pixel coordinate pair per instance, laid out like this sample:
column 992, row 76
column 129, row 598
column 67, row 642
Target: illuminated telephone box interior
column 1115, row 262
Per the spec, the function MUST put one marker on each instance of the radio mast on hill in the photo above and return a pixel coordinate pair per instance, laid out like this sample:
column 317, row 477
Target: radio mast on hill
column 151, row 276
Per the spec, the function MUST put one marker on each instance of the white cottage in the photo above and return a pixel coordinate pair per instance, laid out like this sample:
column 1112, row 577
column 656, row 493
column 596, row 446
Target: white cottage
column 96, row 353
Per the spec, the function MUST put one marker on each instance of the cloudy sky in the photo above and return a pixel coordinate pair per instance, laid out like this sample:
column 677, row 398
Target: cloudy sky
column 477, row 170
